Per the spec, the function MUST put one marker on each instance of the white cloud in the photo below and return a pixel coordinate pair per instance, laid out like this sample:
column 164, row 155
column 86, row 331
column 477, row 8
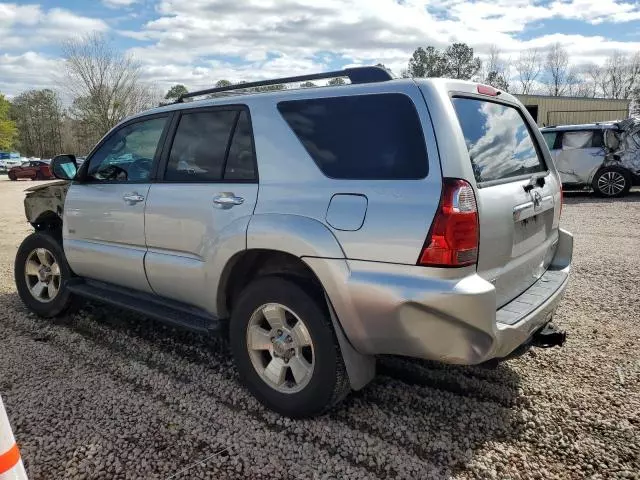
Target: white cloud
column 25, row 26
column 28, row 70
column 119, row 3
column 197, row 42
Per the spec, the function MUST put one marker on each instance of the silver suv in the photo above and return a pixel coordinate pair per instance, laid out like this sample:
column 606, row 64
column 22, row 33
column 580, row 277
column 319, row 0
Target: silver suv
column 322, row 226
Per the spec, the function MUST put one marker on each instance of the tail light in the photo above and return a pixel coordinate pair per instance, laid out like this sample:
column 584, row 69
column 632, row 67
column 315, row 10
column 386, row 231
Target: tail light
column 454, row 235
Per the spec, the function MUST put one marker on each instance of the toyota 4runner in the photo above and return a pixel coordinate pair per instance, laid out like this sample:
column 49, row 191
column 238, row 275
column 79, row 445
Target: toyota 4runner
column 319, row 226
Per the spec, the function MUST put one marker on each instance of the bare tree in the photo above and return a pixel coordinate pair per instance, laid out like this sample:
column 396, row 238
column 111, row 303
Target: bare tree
column 620, row 75
column 494, row 70
column 105, row 83
column 560, row 75
column 528, row 67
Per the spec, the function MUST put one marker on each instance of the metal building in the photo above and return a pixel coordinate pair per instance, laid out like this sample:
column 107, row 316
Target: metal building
column 547, row 110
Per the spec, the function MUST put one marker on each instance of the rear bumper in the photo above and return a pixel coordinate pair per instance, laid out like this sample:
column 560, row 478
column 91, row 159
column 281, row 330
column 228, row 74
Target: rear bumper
column 406, row 310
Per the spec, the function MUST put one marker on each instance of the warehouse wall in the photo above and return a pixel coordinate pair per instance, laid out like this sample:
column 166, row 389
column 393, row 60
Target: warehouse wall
column 567, row 110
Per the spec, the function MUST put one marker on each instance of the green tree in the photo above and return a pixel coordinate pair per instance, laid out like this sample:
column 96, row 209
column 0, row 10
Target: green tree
column 8, row 131
column 457, row 61
column 175, row 92
column 307, row 85
column 38, row 116
column 461, row 63
column 223, row 83
column 497, row 80
column 336, row 81
column 427, row 62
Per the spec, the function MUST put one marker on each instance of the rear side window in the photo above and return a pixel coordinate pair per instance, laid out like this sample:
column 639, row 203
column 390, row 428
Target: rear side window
column 371, row 137
column 577, row 140
column 498, row 139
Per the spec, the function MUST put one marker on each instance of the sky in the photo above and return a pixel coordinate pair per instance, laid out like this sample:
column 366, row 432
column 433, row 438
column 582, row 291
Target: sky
column 197, row 42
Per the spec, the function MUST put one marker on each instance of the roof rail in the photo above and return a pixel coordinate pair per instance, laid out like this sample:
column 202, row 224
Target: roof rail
column 355, row 75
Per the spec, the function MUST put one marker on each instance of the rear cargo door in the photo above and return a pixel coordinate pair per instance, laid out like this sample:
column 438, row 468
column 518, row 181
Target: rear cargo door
column 516, row 195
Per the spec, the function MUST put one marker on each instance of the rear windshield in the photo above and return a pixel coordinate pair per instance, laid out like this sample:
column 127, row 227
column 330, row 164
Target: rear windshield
column 498, row 139
column 375, row 137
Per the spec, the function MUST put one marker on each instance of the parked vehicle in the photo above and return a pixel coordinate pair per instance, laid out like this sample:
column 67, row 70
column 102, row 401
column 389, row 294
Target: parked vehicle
column 603, row 156
column 322, row 226
column 9, row 160
column 35, row 170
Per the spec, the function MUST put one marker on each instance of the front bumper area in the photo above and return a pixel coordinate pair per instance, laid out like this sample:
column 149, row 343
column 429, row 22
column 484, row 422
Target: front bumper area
column 414, row 311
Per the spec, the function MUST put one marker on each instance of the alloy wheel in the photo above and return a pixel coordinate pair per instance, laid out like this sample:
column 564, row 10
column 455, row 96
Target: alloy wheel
column 42, row 275
column 280, row 348
column 611, row 183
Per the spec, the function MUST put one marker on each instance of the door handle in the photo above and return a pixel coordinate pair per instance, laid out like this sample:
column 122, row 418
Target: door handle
column 132, row 198
column 227, row 200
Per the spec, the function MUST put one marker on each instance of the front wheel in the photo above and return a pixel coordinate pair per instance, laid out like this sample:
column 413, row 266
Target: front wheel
column 41, row 275
column 285, row 348
column 612, row 182
column 12, row 176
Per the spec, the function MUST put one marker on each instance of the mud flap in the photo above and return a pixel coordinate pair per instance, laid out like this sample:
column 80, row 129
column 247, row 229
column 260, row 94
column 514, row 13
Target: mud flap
column 360, row 368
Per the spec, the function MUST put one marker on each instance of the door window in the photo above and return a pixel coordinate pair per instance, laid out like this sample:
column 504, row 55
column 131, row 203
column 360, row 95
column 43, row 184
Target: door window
column 127, row 155
column 576, row 140
column 550, row 139
column 241, row 164
column 200, row 146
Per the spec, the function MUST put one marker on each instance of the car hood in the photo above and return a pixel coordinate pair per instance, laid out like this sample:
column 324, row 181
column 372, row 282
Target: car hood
column 35, row 188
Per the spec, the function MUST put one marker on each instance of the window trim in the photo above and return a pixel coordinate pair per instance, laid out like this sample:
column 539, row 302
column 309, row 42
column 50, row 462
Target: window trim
column 368, row 94
column 81, row 178
column 532, row 134
column 170, row 138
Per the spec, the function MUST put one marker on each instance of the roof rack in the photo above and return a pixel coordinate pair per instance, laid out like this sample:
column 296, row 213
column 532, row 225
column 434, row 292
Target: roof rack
column 355, row 75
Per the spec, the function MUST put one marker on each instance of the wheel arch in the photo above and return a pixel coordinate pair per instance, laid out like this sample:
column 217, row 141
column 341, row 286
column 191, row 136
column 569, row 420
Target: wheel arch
column 48, row 221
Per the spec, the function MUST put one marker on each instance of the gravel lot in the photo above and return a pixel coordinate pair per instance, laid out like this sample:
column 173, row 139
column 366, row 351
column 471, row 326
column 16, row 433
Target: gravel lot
column 107, row 394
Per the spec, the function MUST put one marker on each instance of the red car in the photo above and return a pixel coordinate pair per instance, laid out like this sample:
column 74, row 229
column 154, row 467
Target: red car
column 34, row 169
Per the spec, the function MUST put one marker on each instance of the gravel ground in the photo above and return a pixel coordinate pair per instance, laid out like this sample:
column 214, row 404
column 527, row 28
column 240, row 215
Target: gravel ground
column 107, row 394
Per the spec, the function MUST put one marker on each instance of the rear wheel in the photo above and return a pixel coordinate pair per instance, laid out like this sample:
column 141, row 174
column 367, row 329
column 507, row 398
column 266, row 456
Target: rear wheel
column 611, row 182
column 12, row 176
column 285, row 349
column 41, row 275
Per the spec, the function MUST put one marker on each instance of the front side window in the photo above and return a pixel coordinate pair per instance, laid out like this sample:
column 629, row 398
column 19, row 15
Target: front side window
column 200, row 146
column 373, row 137
column 499, row 142
column 550, row 139
column 127, row 155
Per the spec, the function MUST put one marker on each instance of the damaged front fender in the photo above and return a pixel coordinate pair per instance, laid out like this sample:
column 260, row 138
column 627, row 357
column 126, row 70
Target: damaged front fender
column 622, row 145
column 43, row 203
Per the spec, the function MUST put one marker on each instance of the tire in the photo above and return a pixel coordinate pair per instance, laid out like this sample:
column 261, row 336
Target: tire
column 12, row 177
column 40, row 249
column 611, row 182
column 38, row 176
column 324, row 385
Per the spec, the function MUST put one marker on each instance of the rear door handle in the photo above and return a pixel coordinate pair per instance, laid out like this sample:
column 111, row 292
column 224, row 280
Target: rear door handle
column 132, row 198
column 227, row 200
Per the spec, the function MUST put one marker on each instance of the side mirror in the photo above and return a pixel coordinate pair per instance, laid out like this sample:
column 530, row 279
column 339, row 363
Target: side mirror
column 64, row 167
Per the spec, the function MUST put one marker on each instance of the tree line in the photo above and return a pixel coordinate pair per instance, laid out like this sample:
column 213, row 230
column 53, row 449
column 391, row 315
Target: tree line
column 106, row 86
